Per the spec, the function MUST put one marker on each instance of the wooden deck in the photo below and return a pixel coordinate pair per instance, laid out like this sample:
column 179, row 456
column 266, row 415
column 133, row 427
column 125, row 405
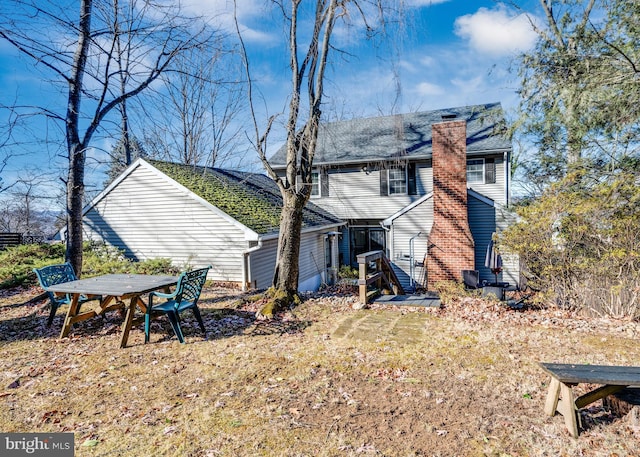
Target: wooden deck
column 427, row 300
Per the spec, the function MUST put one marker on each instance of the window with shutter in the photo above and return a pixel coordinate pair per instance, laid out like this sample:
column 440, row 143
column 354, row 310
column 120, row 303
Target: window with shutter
column 475, row 171
column 397, row 180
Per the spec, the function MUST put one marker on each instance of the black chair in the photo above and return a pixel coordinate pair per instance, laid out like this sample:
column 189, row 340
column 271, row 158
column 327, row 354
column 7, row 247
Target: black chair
column 471, row 279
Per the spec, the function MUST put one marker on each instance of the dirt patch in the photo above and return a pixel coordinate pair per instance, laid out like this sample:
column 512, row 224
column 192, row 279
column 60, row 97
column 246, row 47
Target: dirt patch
column 322, row 380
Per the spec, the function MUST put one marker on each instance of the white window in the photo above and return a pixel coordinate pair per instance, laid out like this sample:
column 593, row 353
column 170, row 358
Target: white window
column 315, row 184
column 475, row 171
column 397, row 181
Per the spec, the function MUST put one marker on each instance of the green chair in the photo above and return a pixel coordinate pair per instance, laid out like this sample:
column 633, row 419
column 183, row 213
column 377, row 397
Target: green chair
column 185, row 297
column 57, row 274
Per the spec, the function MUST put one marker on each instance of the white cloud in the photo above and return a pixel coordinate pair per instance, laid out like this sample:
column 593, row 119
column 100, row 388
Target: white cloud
column 497, row 32
column 221, row 14
column 427, row 89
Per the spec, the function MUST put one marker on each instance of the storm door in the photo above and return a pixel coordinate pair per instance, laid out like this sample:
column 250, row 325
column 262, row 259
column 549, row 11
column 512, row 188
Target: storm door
column 365, row 239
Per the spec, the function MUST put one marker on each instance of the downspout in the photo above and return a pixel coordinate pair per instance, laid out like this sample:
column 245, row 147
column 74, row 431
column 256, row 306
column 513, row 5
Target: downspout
column 245, row 263
column 507, row 176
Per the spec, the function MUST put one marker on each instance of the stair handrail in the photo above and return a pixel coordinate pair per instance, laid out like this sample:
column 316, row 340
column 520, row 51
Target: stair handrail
column 382, row 273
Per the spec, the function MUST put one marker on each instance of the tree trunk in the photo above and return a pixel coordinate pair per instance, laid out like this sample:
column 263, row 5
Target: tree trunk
column 287, row 264
column 75, row 198
column 75, row 147
column 284, row 293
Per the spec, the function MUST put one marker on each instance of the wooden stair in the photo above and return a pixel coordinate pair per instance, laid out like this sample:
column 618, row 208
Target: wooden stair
column 375, row 275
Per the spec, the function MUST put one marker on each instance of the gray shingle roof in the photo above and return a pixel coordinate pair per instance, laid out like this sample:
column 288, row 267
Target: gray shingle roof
column 252, row 199
column 404, row 135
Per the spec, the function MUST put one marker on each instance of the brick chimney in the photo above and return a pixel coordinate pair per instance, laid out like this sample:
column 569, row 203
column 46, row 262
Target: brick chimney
column 450, row 248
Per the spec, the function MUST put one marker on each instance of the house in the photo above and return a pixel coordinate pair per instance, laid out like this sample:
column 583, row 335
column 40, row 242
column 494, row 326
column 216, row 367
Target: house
column 200, row 216
column 429, row 188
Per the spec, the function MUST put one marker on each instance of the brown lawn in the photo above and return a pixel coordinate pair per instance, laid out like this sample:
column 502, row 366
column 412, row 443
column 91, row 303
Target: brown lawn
column 323, row 380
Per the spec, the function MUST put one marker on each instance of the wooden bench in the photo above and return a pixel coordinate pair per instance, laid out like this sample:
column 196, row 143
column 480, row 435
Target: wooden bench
column 564, row 376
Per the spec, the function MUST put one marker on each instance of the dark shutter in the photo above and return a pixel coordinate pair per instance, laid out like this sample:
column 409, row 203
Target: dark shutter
column 489, row 171
column 384, row 186
column 411, row 179
column 324, row 182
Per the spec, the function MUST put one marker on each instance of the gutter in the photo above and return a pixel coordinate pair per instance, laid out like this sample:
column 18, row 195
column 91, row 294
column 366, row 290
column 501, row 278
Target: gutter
column 361, row 161
column 245, row 263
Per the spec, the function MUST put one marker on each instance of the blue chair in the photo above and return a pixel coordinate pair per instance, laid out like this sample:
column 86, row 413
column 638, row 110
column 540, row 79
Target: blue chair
column 57, row 274
column 184, row 297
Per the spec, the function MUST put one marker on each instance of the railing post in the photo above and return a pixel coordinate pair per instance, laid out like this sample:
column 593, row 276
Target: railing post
column 362, row 269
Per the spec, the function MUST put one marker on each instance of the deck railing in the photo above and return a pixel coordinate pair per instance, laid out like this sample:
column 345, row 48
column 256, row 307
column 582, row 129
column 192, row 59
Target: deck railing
column 376, row 275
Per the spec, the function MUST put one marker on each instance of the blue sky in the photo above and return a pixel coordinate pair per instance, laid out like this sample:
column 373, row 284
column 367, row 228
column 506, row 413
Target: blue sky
column 448, row 53
column 451, row 52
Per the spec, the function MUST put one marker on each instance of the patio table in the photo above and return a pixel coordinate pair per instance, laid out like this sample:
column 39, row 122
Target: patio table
column 114, row 289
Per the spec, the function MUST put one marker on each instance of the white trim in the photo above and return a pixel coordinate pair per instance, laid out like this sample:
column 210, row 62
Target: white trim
column 484, row 170
column 319, row 194
column 405, row 169
column 389, row 221
column 274, row 235
column 249, row 234
column 507, row 175
column 484, row 199
column 359, row 162
column 246, row 265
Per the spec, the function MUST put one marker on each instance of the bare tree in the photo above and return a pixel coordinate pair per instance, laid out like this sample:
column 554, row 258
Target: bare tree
column 7, row 144
column 193, row 118
column 308, row 65
column 45, row 32
column 25, row 209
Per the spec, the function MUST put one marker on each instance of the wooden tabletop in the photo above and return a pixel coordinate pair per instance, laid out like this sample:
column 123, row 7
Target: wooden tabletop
column 596, row 374
column 117, row 285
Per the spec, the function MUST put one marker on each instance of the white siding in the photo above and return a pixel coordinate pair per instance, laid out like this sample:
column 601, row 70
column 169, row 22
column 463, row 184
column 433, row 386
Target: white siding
column 312, row 261
column 355, row 194
column 485, row 218
column 497, row 191
column 510, row 261
column 262, row 264
column 406, row 226
column 482, row 222
column 312, row 258
column 148, row 218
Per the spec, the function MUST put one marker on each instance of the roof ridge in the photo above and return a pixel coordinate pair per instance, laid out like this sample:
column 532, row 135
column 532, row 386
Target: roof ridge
column 483, row 106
